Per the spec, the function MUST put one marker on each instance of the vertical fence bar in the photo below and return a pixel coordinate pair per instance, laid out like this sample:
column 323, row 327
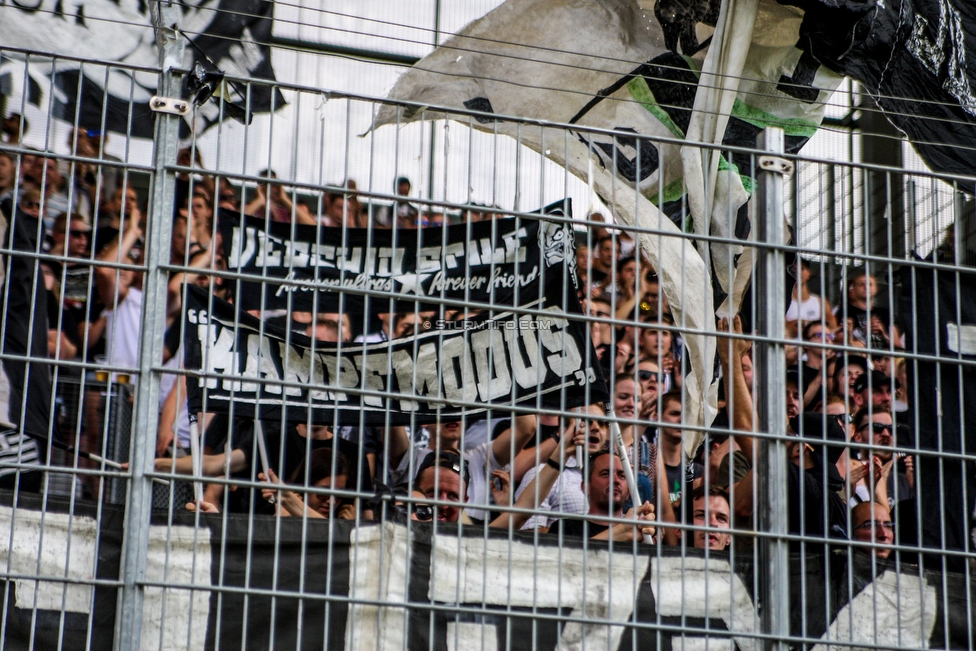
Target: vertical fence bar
column 135, row 541
column 773, row 514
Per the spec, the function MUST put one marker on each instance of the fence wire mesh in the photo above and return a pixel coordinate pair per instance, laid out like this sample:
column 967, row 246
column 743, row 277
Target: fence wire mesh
column 421, row 386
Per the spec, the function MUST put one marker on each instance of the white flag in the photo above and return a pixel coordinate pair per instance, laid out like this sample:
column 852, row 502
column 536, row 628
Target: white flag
column 604, row 64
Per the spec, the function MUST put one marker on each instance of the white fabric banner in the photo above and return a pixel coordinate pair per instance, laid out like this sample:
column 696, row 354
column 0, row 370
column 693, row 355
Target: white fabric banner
column 550, row 59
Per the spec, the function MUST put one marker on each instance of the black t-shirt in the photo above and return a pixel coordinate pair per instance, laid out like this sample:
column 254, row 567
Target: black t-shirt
column 676, row 475
column 581, row 528
column 79, row 295
column 68, row 323
column 597, row 277
column 862, row 327
column 293, row 460
column 811, row 521
column 807, row 374
column 24, row 304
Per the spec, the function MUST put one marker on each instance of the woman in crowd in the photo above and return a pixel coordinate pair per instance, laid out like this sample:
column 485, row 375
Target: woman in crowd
column 807, row 306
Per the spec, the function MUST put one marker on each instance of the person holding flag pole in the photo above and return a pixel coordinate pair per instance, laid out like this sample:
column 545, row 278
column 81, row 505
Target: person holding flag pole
column 617, row 442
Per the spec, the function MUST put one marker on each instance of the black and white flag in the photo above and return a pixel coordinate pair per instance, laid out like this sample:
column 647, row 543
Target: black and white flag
column 233, row 34
column 309, row 267
column 260, row 582
column 913, row 59
column 612, row 65
column 448, row 369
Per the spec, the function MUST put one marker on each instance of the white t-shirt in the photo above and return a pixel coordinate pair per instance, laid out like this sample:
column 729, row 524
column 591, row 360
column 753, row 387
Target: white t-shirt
column 371, row 338
column 167, row 384
column 809, row 310
column 122, row 331
column 566, row 495
column 481, row 463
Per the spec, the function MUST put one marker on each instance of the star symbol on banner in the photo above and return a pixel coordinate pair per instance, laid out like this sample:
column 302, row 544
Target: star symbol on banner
column 411, row 283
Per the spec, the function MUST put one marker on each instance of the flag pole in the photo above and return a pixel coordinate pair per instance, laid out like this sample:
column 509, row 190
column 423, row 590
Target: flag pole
column 262, row 448
column 618, row 443
column 196, row 454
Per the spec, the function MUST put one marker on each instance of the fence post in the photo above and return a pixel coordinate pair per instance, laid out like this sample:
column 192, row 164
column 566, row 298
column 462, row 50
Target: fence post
column 135, row 541
column 773, row 515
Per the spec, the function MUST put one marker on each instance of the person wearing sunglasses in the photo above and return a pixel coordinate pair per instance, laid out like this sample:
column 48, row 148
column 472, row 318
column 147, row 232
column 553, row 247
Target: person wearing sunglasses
column 871, row 523
column 71, row 236
column 30, row 203
column 481, row 460
column 652, row 385
column 875, row 466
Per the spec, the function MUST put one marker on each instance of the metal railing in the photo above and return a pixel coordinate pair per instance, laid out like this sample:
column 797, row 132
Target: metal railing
column 261, row 370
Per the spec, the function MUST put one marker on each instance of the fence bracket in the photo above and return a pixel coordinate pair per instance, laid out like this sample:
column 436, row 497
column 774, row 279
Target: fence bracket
column 171, row 105
column 776, row 164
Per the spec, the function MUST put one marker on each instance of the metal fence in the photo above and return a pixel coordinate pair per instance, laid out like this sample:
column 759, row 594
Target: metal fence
column 403, row 364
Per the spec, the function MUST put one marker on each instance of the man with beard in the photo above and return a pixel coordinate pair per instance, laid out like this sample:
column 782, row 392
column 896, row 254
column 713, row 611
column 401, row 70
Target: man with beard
column 875, row 467
column 875, row 388
column 606, row 495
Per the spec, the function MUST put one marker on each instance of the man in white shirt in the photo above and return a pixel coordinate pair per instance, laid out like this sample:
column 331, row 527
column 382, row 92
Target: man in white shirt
column 567, row 495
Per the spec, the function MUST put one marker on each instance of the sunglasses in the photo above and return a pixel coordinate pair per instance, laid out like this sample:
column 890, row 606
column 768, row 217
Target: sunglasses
column 602, row 424
column 843, row 418
column 644, row 376
column 79, row 233
column 423, row 512
column 888, row 525
column 878, row 428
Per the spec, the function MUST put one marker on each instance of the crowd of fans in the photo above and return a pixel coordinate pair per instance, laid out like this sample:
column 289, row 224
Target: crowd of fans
column 848, row 412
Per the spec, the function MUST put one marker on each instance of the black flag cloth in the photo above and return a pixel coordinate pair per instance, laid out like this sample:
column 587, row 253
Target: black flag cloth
column 498, row 262
column 944, row 394
column 232, row 36
column 912, row 58
column 448, row 369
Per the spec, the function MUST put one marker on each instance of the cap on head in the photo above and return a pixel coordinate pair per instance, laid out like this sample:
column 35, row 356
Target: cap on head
column 445, row 459
column 876, row 380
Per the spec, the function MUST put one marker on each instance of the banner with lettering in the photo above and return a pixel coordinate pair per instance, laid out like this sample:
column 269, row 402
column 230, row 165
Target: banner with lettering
column 302, row 267
column 446, row 369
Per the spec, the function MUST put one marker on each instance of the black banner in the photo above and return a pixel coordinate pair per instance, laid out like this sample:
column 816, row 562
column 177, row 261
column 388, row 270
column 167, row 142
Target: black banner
column 230, row 36
column 320, row 584
column 310, row 266
column 943, row 303
column 912, row 57
column 498, row 359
